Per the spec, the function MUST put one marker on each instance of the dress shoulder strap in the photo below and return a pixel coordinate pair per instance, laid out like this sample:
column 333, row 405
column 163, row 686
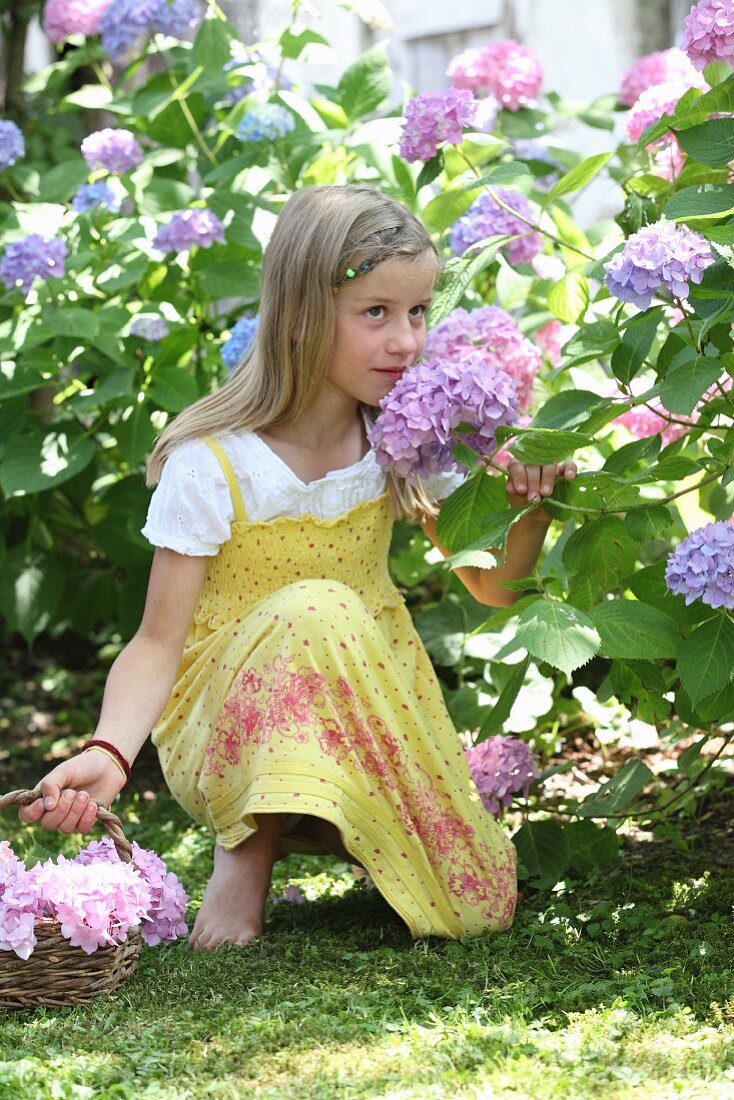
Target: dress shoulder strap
column 235, row 492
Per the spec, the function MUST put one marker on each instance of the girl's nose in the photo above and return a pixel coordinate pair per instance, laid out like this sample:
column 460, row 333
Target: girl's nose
column 406, row 337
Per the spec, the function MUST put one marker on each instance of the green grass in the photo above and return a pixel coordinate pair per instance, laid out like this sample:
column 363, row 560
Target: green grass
column 619, row 985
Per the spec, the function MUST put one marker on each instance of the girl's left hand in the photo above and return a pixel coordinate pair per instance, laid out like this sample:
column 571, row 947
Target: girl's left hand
column 529, row 484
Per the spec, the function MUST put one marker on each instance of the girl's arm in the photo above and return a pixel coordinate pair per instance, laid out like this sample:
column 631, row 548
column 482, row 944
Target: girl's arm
column 526, row 484
column 138, row 687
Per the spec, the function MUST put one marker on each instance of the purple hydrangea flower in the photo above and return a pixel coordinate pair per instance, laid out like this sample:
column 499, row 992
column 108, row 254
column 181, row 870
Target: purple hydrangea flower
column 501, row 767
column 492, row 333
column 32, row 257
column 240, row 339
column 414, row 432
column 702, row 566
column 657, row 68
column 266, row 122
column 434, row 118
column 64, row 17
column 708, row 32
column 188, row 228
column 658, row 258
column 113, row 150
column 486, row 218
column 91, row 195
column 12, row 144
column 125, row 20
column 510, row 72
column 149, row 326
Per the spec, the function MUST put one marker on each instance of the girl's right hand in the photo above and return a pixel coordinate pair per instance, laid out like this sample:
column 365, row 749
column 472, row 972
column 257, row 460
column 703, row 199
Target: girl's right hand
column 72, row 791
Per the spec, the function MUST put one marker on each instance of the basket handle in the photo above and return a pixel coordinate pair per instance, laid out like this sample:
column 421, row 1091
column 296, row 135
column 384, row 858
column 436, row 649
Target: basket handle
column 110, row 821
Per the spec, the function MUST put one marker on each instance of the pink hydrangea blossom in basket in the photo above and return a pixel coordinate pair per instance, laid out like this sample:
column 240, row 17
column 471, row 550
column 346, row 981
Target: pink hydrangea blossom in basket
column 96, row 898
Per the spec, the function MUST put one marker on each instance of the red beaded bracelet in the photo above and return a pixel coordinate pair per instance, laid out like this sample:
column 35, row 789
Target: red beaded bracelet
column 96, row 741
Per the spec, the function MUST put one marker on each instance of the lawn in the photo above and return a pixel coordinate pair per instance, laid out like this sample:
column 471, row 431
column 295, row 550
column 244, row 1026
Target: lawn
column 615, row 985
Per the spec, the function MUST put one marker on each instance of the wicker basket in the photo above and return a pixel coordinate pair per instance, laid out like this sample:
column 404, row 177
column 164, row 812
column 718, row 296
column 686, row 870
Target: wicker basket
column 56, row 973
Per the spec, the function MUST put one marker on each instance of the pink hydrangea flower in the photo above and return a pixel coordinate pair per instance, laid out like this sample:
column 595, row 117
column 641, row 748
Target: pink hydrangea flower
column 657, row 68
column 642, row 422
column 708, row 32
column 492, row 333
column 64, row 17
column 510, row 72
column 434, row 118
column 19, row 905
column 501, row 767
column 549, row 338
column 414, row 432
column 652, row 104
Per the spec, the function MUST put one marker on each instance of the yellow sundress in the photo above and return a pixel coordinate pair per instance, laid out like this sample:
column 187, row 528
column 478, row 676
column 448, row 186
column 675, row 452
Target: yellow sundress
column 305, row 689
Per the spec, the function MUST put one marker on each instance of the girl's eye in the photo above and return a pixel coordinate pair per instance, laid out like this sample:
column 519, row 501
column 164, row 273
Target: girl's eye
column 419, row 311
column 375, row 311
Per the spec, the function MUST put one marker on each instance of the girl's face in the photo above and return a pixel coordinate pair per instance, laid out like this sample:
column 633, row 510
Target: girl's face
column 380, row 326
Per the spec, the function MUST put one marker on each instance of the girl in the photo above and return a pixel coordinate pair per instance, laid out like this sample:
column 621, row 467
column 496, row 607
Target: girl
column 292, row 703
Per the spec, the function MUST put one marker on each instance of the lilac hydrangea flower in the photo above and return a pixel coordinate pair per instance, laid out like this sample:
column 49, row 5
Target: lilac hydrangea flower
column 486, row 218
column 19, row 905
column 434, row 118
column 125, row 20
column 658, row 68
column 91, row 195
column 510, row 72
column 32, row 257
column 492, row 333
column 64, row 17
column 188, row 228
column 708, row 32
column 149, row 326
column 240, row 339
column 12, row 144
column 658, row 258
column 291, row 896
column 702, row 566
column 266, row 122
column 502, row 767
column 414, row 432
column 163, row 920
column 114, row 150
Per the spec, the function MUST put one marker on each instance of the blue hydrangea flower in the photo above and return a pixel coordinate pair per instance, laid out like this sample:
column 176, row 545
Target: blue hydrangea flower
column 32, row 257
column 12, row 144
column 114, row 150
column 188, row 228
column 125, row 20
column 661, row 257
column 240, row 339
column 702, row 566
column 91, row 195
column 149, row 326
column 266, row 122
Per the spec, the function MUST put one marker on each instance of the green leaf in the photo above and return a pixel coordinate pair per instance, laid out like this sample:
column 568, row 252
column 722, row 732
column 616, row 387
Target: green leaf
column 636, row 343
column 443, row 631
column 706, row 658
column 506, row 172
column 707, row 200
column 695, row 109
column 457, row 276
column 500, row 712
column 447, row 206
column 60, row 182
column 213, row 45
column 578, row 177
column 462, row 513
column 568, row 299
column 686, row 382
column 630, row 629
column 225, row 280
column 614, row 796
column 30, row 591
column 568, row 409
column 496, row 527
column 173, row 388
column 593, row 341
column 602, row 547
column 293, row 41
column 71, row 321
column 24, row 377
column 44, row 459
column 590, row 845
column 541, row 849
column 366, row 84
column 542, row 445
column 712, row 142
column 631, row 453
column 557, row 633
column 430, row 170
column 648, row 523
column 135, row 435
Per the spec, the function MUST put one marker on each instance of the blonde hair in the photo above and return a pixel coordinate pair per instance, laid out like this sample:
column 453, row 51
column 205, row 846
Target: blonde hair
column 321, row 233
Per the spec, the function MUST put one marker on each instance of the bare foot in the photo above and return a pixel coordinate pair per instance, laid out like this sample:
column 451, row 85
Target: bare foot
column 234, row 900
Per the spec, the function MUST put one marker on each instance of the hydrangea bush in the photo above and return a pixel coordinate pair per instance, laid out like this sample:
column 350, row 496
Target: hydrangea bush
column 131, row 266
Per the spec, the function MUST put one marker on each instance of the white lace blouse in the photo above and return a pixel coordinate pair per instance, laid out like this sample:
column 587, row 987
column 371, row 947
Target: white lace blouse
column 191, row 509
